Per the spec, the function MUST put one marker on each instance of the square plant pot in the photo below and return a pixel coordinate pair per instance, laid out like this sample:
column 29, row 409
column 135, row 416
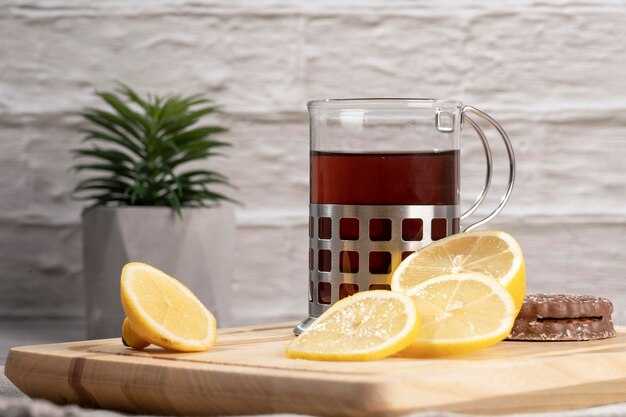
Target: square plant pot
column 197, row 250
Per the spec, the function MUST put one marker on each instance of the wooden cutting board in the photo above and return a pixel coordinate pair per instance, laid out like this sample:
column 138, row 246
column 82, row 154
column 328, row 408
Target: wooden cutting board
column 246, row 373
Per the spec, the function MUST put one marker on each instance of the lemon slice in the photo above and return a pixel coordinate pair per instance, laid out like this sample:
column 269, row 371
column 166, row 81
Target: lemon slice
column 460, row 313
column 130, row 338
column 493, row 253
column 366, row 326
column 164, row 312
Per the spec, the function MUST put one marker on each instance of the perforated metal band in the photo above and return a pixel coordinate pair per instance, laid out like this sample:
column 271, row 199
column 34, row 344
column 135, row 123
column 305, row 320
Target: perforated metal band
column 390, row 248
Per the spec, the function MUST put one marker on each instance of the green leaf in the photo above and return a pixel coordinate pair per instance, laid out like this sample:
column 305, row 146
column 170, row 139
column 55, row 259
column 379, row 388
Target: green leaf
column 201, row 172
column 94, row 135
column 140, row 123
column 113, row 184
column 137, row 192
column 134, row 97
column 184, row 121
column 172, row 107
column 204, row 182
column 111, row 155
column 172, row 198
column 188, row 157
column 191, row 149
column 106, row 188
column 101, row 119
column 113, row 168
column 112, row 121
column 200, row 133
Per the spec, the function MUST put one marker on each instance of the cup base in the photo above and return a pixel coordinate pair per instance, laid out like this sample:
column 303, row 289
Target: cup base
column 303, row 325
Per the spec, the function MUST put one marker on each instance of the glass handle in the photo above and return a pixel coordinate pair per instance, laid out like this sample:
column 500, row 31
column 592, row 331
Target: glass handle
column 488, row 174
column 467, row 110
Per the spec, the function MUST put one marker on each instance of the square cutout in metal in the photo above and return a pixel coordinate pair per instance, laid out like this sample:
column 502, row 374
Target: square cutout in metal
column 380, row 229
column 349, row 228
column 412, row 229
column 439, row 228
column 456, row 225
column 380, row 287
column 347, row 289
column 323, row 292
column 324, row 260
column 349, row 261
column 380, row 262
column 324, row 228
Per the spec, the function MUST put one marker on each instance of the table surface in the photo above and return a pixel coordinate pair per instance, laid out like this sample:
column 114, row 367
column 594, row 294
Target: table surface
column 13, row 403
column 30, row 332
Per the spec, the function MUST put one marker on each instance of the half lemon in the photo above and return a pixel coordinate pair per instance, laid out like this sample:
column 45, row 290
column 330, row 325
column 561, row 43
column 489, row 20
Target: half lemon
column 163, row 312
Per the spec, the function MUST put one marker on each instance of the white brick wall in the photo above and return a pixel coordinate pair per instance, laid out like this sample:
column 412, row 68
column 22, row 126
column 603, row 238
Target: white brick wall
column 554, row 74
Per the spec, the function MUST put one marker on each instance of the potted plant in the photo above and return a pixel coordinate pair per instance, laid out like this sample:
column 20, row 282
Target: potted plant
column 153, row 200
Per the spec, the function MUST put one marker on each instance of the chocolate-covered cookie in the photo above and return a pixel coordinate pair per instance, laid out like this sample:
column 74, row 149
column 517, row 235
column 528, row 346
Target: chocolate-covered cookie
column 563, row 317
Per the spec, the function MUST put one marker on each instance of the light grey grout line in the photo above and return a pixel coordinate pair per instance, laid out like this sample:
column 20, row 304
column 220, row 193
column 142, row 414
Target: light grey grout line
column 554, row 107
column 300, row 219
column 399, row 9
column 548, row 112
column 42, row 320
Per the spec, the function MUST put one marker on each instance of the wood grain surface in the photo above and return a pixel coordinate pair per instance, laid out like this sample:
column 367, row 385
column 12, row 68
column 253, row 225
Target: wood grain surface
column 247, row 373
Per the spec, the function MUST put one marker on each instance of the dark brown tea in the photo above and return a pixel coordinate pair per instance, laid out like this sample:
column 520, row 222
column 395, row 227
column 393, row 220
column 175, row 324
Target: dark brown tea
column 416, row 178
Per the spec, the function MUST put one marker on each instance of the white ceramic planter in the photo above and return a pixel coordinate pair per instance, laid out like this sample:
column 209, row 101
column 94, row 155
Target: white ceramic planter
column 198, row 250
